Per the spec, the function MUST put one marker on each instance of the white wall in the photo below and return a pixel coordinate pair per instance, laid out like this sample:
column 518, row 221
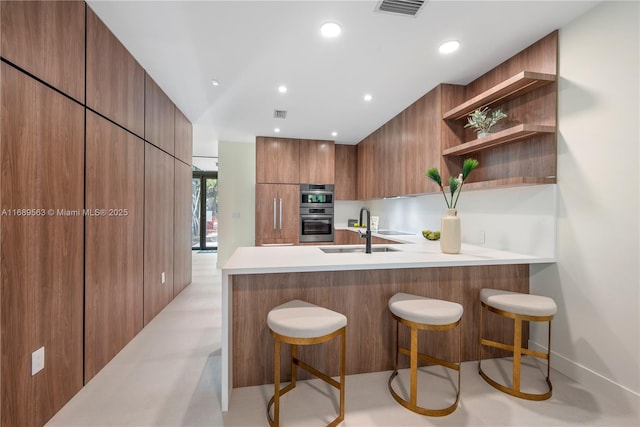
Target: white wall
column 236, row 203
column 596, row 336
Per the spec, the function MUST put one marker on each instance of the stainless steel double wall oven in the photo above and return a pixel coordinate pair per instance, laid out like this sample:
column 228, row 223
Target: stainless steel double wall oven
column 316, row 213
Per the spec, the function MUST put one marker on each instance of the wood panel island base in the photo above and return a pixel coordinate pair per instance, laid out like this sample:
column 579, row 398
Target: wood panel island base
column 256, row 279
column 362, row 296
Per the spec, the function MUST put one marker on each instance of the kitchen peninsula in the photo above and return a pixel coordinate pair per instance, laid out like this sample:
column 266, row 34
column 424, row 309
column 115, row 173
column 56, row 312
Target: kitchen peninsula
column 256, row 279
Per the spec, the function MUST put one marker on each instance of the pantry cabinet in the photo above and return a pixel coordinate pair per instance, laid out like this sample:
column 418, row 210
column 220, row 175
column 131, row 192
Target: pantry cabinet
column 346, row 166
column 277, row 214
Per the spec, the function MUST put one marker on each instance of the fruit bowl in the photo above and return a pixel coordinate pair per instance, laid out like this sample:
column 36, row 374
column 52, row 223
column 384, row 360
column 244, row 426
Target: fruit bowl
column 431, row 235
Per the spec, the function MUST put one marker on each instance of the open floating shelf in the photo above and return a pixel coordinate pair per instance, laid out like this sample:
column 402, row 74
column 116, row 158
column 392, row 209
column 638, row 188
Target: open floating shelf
column 517, row 181
column 518, row 85
column 512, row 134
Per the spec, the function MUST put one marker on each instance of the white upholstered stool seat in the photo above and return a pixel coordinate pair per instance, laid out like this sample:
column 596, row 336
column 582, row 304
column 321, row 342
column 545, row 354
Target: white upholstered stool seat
column 521, row 308
column 301, row 323
column 515, row 302
column 425, row 310
column 422, row 313
column 300, row 319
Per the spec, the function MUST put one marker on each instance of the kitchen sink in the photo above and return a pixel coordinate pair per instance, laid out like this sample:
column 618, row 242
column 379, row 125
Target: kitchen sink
column 360, row 249
column 394, row 233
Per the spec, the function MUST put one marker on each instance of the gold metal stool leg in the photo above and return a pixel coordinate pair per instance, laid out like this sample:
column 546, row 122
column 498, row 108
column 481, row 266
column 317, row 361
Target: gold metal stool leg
column 517, row 351
column 295, row 363
column 414, row 355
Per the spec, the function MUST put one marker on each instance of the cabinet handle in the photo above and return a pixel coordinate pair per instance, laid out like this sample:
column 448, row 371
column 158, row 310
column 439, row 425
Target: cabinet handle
column 280, row 214
column 274, row 214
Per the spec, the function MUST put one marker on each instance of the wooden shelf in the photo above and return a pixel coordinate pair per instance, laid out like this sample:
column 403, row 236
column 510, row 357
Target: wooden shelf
column 518, row 85
column 515, row 133
column 517, row 181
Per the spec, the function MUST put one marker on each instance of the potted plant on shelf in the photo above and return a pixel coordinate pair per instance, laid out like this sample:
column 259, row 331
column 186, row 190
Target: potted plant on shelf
column 481, row 121
column 450, row 238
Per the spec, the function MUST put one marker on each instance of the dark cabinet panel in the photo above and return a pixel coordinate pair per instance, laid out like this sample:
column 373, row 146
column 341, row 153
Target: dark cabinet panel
column 317, row 161
column 159, row 125
column 277, row 214
column 346, row 167
column 41, row 250
column 113, row 241
column 183, row 137
column 158, row 231
column 46, row 38
column 277, row 160
column 182, row 228
column 115, row 80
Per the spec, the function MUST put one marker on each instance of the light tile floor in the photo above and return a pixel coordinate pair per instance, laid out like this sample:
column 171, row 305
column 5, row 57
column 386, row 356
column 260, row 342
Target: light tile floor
column 169, row 375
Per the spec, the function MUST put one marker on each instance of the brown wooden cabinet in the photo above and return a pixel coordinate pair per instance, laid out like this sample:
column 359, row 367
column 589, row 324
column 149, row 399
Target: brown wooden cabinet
column 113, row 270
column 182, row 228
column 346, row 167
column 392, row 160
column 159, row 117
column 277, row 160
column 183, row 137
column 115, row 80
column 158, row 230
column 47, row 40
column 277, row 214
column 41, row 247
column 317, row 162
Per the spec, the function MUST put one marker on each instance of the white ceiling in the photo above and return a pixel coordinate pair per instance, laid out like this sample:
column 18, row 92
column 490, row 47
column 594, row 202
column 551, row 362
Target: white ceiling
column 252, row 47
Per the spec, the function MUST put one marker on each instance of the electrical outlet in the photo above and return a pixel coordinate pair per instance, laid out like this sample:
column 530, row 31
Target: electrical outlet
column 163, row 277
column 481, row 238
column 37, row 361
column 235, row 215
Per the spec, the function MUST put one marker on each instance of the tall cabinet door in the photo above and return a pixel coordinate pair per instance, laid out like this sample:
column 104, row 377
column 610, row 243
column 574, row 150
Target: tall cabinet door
column 182, row 229
column 41, row 247
column 113, row 272
column 277, row 214
column 158, row 230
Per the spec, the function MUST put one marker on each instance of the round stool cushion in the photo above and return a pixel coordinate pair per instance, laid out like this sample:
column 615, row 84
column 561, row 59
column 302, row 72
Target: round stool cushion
column 300, row 319
column 515, row 302
column 425, row 310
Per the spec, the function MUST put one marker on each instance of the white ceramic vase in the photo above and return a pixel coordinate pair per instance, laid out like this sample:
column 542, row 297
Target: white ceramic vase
column 450, row 240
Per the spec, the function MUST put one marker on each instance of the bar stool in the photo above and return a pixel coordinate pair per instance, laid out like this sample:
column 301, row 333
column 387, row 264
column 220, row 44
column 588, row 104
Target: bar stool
column 301, row 323
column 423, row 313
column 519, row 307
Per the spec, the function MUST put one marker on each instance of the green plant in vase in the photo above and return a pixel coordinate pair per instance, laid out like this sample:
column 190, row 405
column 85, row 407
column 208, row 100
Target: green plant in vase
column 481, row 121
column 455, row 184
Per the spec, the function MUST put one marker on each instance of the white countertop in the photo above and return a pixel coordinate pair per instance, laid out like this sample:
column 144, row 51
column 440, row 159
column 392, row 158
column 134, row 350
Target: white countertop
column 414, row 252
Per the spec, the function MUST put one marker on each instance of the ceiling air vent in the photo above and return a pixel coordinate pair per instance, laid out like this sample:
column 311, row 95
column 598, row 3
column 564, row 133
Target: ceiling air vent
column 402, row 7
column 279, row 114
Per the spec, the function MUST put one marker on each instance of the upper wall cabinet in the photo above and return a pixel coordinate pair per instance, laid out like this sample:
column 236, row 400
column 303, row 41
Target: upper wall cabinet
column 47, row 40
column 277, row 160
column 346, row 167
column 115, row 80
column 317, row 162
column 159, row 112
column 183, row 137
column 521, row 149
column 393, row 159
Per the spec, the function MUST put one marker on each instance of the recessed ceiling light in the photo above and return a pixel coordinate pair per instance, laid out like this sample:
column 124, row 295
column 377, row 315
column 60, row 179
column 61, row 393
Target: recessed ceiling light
column 276, row 130
column 330, row 29
column 215, row 82
column 449, row 47
column 368, row 97
column 282, row 89
column 334, row 133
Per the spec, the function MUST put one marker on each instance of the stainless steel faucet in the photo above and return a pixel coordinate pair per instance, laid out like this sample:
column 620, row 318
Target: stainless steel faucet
column 367, row 235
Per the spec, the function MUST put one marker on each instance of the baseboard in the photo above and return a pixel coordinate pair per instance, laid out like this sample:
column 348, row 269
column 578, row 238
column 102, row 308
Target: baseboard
column 588, row 378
